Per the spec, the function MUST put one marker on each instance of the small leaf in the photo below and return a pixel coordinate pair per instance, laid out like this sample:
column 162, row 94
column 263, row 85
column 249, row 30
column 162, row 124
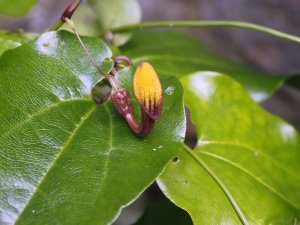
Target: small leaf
column 15, row 7
column 177, row 54
column 116, row 13
column 64, row 159
column 164, row 212
column 245, row 168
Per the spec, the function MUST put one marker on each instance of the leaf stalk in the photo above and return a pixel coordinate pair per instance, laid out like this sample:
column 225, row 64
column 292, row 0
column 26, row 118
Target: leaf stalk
column 207, row 23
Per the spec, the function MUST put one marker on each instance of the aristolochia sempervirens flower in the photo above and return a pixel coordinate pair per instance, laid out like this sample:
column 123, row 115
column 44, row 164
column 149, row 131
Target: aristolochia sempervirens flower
column 148, row 91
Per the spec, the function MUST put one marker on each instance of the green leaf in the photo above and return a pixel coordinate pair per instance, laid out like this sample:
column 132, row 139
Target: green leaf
column 8, row 41
column 86, row 22
column 176, row 53
column 164, row 212
column 116, row 13
column 64, row 159
column 245, row 168
column 16, row 7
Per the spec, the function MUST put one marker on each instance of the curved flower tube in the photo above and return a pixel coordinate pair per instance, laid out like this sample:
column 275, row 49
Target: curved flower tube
column 148, row 92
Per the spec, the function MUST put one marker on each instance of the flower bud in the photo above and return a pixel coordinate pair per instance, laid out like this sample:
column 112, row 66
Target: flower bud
column 121, row 100
column 148, row 90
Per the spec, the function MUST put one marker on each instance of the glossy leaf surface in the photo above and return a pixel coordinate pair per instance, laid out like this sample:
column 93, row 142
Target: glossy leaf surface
column 8, row 42
column 176, row 53
column 15, row 7
column 63, row 158
column 164, row 212
column 245, row 168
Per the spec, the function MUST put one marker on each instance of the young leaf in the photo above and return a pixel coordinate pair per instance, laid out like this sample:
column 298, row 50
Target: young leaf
column 15, row 7
column 176, row 53
column 116, row 13
column 245, row 168
column 64, row 159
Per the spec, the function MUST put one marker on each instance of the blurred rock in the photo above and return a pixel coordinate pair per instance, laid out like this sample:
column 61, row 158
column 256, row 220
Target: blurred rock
column 267, row 53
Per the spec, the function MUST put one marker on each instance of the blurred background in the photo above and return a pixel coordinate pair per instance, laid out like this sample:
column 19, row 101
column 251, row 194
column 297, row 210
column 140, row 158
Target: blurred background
column 265, row 53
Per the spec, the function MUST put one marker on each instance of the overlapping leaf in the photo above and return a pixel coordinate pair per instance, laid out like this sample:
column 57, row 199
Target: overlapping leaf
column 176, row 53
column 64, row 159
column 245, row 168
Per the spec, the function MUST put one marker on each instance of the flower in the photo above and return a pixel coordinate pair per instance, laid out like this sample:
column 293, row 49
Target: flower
column 148, row 90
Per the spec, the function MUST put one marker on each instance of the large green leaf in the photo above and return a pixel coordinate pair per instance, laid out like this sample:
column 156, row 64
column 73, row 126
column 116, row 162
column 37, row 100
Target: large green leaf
column 8, row 41
column 245, row 168
column 15, row 7
column 64, row 159
column 176, row 53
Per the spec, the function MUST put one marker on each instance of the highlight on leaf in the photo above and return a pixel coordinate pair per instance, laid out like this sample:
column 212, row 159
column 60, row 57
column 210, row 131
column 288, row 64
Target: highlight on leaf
column 148, row 90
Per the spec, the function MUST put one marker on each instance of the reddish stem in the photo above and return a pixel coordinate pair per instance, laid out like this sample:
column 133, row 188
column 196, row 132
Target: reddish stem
column 121, row 100
column 70, row 9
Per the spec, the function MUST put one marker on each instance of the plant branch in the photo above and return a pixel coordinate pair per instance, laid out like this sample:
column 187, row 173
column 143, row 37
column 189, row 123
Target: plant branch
column 66, row 14
column 207, row 23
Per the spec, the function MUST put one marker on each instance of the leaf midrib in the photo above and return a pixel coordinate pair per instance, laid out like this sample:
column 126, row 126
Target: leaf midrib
column 108, row 153
column 38, row 113
column 68, row 141
column 219, row 183
column 251, row 175
column 249, row 148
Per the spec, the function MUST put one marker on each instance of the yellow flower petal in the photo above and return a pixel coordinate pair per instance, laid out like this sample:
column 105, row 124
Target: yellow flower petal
column 148, row 90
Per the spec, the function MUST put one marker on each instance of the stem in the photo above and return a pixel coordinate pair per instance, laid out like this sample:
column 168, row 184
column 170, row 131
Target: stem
column 110, row 77
column 57, row 25
column 121, row 100
column 207, row 23
column 66, row 14
column 88, row 53
column 143, row 128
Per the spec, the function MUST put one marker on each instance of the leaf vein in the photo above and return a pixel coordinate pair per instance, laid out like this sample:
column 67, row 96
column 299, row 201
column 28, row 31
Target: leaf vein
column 219, row 182
column 251, row 175
column 68, row 141
column 249, row 148
column 38, row 113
